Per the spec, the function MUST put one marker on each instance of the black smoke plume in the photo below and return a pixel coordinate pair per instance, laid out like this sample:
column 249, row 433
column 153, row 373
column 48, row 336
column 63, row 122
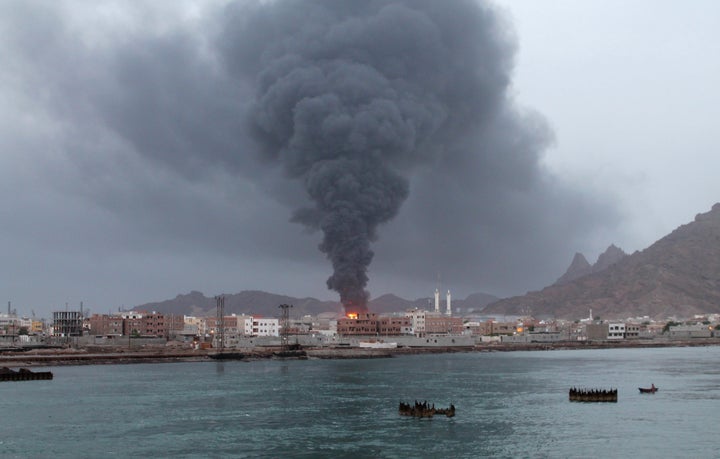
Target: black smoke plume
column 352, row 95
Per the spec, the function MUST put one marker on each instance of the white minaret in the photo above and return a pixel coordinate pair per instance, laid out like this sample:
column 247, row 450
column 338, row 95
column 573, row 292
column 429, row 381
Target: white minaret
column 437, row 301
column 449, row 307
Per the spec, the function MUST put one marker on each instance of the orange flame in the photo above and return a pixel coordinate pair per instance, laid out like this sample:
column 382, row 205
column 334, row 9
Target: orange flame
column 352, row 315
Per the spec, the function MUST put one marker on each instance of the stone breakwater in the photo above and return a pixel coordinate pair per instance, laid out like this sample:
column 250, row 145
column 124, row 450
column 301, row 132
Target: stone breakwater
column 115, row 355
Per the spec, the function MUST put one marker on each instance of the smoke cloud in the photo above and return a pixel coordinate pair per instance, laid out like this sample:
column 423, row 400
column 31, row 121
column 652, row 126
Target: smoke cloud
column 181, row 137
column 352, row 96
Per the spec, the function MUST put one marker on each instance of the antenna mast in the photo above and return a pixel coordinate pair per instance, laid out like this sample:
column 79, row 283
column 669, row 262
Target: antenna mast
column 285, row 326
column 220, row 305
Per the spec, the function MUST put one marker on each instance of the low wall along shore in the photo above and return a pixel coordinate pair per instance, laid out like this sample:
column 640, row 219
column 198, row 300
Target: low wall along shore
column 157, row 353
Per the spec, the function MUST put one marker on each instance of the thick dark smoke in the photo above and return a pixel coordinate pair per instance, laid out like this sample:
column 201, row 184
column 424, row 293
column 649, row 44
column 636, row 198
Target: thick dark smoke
column 351, row 96
column 383, row 125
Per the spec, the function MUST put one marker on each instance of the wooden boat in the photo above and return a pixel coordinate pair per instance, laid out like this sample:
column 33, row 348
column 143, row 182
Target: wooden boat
column 227, row 356
column 23, row 374
column 423, row 410
column 593, row 395
column 648, row 390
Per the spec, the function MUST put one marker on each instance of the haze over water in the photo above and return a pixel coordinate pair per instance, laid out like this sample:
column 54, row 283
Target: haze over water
column 508, row 405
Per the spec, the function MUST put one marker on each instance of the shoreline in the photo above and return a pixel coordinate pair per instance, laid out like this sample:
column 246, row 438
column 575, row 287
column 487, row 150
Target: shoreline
column 113, row 356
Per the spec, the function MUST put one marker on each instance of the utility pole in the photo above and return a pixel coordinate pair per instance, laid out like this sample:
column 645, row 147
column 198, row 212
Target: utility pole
column 285, row 346
column 220, row 306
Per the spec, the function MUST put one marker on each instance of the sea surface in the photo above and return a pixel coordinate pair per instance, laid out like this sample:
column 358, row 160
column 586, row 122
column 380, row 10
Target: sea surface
column 509, row 404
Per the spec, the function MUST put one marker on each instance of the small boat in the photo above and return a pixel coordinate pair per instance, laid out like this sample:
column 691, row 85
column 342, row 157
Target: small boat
column 424, row 410
column 23, row 374
column 648, row 390
column 593, row 395
column 227, row 356
column 298, row 354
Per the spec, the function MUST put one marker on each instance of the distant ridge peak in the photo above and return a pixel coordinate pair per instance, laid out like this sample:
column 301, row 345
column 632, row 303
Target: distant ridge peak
column 579, row 260
column 578, row 267
column 581, row 267
column 677, row 276
column 609, row 257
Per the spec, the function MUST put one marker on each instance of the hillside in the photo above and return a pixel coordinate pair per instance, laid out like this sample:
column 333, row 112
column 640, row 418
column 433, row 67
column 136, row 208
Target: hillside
column 266, row 304
column 679, row 275
column 245, row 302
column 580, row 267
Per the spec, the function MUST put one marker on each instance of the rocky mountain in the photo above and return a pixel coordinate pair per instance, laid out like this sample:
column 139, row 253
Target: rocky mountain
column 679, row 276
column 476, row 302
column 608, row 258
column 580, row 266
column 245, row 302
column 392, row 303
column 266, row 304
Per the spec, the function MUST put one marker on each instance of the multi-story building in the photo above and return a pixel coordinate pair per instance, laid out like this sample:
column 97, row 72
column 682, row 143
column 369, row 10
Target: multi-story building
column 364, row 324
column 417, row 318
column 616, row 331
column 194, row 325
column 106, row 325
column 395, row 326
column 37, row 327
column 370, row 324
column 245, row 325
column 132, row 323
column 632, row 331
column 175, row 323
column 444, row 325
column 264, row 326
column 153, row 324
column 231, row 325
column 67, row 323
column 9, row 324
column 135, row 323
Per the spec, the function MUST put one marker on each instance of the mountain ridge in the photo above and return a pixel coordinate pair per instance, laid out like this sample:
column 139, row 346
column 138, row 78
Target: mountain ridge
column 677, row 276
column 580, row 267
column 261, row 303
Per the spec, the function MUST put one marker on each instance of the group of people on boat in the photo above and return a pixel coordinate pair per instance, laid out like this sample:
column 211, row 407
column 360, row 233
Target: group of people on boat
column 423, row 410
column 23, row 374
column 593, row 395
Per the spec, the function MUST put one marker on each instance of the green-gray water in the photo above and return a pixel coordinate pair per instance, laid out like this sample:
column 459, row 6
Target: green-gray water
column 508, row 405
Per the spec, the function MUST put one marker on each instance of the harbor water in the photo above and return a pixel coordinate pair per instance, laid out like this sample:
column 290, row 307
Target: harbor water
column 509, row 404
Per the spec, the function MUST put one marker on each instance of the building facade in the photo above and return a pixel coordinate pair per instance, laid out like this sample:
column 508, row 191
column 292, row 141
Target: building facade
column 444, row 325
column 67, row 323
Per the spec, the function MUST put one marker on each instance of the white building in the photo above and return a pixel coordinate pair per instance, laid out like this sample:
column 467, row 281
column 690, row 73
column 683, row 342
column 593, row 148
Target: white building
column 262, row 326
column 623, row 331
column 616, row 331
column 417, row 318
column 257, row 326
column 9, row 321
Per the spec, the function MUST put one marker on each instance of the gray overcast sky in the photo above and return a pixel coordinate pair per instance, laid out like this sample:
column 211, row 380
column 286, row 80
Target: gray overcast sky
column 127, row 174
column 629, row 88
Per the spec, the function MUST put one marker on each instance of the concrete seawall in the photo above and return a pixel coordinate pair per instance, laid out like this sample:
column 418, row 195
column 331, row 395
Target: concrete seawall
column 57, row 357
